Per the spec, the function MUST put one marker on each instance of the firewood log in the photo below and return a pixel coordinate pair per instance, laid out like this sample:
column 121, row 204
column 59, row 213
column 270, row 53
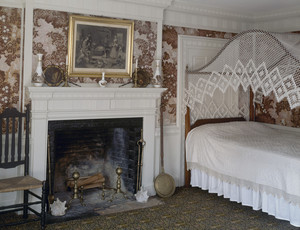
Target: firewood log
column 86, row 180
column 96, row 184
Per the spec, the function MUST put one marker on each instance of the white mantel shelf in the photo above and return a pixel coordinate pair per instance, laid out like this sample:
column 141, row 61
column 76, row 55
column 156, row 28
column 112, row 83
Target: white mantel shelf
column 58, row 101
column 93, row 102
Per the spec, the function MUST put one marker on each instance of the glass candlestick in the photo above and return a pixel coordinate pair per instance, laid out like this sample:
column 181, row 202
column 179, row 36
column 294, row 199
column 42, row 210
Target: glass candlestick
column 103, row 82
column 38, row 77
column 157, row 78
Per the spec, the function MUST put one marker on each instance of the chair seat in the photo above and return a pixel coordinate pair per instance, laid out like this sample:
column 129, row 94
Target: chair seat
column 19, row 183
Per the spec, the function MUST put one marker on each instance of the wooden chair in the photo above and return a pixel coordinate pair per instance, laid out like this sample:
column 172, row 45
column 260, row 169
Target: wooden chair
column 13, row 153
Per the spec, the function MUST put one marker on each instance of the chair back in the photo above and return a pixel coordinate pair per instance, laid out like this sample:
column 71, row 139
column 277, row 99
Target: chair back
column 13, row 126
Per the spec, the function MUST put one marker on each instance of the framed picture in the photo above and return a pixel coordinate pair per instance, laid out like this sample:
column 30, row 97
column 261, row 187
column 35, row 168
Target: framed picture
column 99, row 45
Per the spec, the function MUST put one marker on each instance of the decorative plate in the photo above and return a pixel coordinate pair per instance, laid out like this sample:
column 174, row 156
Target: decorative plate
column 54, row 75
column 143, row 78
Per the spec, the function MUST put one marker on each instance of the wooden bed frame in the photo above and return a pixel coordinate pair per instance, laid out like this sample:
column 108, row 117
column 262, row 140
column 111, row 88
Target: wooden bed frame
column 189, row 127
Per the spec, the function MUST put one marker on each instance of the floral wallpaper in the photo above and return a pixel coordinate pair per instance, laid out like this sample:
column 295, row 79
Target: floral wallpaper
column 169, row 64
column 50, row 37
column 10, row 47
column 274, row 112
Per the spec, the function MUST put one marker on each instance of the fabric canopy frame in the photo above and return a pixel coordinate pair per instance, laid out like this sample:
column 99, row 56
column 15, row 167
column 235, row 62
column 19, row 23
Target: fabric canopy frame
column 265, row 62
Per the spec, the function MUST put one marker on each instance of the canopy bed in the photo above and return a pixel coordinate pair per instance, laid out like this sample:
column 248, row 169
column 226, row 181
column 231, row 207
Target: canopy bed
column 227, row 152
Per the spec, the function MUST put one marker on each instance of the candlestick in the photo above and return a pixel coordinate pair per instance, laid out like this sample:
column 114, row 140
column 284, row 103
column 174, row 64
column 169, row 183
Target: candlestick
column 135, row 77
column 66, row 84
column 103, row 82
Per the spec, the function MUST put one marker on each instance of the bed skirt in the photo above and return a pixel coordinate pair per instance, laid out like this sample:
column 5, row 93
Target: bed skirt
column 268, row 203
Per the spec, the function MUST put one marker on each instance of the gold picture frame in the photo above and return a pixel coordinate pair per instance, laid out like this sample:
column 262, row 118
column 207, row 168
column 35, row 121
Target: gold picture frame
column 99, row 45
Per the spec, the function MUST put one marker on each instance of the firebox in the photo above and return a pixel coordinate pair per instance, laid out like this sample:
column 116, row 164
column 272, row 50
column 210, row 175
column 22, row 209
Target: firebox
column 94, row 146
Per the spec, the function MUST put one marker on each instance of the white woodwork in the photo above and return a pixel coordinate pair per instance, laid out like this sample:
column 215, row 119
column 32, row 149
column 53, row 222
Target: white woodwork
column 92, row 102
column 192, row 51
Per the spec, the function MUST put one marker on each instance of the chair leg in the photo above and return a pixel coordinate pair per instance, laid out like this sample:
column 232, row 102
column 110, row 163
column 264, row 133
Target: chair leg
column 43, row 212
column 25, row 204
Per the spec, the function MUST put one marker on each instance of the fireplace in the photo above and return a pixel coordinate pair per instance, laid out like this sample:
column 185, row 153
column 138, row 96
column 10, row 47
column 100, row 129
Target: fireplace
column 90, row 102
column 92, row 146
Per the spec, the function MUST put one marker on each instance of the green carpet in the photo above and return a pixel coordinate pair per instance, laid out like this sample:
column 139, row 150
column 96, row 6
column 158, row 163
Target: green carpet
column 188, row 208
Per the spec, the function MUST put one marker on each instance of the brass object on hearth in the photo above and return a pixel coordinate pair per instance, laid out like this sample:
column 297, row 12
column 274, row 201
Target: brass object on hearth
column 118, row 185
column 103, row 191
column 141, row 143
column 76, row 194
column 164, row 183
column 50, row 195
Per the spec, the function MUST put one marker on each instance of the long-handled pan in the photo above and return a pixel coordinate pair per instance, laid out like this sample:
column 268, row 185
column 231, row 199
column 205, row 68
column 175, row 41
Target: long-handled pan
column 164, row 183
column 50, row 195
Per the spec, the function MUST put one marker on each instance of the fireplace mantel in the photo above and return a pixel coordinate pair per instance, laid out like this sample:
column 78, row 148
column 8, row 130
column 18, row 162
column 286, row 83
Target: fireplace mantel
column 92, row 102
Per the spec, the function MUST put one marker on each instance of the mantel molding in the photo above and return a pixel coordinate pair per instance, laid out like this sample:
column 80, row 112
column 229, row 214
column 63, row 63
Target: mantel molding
column 93, row 92
column 92, row 101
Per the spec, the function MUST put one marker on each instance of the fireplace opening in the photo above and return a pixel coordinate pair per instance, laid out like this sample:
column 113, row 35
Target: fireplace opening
column 91, row 147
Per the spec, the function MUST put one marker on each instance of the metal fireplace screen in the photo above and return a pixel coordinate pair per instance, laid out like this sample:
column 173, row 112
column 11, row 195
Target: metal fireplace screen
column 265, row 62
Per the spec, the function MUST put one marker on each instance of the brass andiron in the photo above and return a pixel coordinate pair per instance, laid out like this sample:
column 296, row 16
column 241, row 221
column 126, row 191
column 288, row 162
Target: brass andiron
column 141, row 143
column 118, row 188
column 76, row 194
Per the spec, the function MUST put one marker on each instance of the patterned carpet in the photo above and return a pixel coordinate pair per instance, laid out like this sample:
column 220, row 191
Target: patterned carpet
column 189, row 208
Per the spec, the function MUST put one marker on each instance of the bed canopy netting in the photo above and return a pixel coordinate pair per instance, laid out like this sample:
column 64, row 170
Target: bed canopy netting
column 257, row 60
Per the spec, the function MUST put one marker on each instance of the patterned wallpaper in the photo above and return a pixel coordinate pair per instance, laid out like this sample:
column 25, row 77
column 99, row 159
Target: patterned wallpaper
column 169, row 64
column 50, row 37
column 10, row 40
column 280, row 113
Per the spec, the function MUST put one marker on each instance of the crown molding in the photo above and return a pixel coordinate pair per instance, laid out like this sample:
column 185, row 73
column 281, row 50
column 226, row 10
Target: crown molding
column 204, row 21
column 280, row 25
column 13, row 3
column 207, row 10
column 282, row 14
column 126, row 9
column 229, row 14
column 156, row 3
column 172, row 12
column 193, row 15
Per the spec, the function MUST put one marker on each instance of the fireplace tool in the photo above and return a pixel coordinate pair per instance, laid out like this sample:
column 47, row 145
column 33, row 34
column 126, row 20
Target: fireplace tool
column 141, row 143
column 164, row 183
column 50, row 195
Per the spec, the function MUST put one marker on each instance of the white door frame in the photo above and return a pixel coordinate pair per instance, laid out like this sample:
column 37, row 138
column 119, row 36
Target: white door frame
column 185, row 45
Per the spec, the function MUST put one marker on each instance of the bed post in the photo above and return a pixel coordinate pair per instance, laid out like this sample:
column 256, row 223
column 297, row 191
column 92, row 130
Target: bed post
column 187, row 129
column 251, row 107
column 187, row 175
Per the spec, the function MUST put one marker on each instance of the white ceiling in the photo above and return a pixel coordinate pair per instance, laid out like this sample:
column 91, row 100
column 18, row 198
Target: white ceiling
column 248, row 8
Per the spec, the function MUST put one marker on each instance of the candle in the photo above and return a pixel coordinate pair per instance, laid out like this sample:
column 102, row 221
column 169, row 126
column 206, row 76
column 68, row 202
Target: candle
column 136, row 63
column 67, row 60
column 103, row 75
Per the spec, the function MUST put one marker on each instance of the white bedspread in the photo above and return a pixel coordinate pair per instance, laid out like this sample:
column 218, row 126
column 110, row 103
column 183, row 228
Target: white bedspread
column 250, row 154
